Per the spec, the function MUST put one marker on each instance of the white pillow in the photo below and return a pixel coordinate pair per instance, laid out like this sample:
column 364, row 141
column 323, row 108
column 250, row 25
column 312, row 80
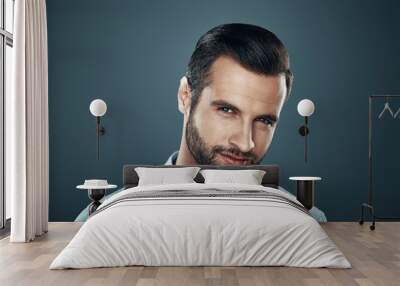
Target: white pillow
column 248, row 177
column 162, row 176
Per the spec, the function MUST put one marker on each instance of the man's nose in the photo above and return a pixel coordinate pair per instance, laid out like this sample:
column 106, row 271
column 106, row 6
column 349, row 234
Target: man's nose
column 243, row 139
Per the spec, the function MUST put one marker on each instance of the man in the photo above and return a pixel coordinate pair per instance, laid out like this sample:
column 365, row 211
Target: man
column 237, row 81
column 231, row 97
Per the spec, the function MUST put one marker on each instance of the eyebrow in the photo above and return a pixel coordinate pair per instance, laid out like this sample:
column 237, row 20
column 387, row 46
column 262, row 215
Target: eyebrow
column 219, row 103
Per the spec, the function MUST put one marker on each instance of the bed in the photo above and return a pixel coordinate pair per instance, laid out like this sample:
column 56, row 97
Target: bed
column 198, row 224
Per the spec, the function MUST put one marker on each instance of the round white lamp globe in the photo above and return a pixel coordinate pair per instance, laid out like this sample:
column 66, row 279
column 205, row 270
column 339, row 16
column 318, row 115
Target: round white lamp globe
column 98, row 107
column 305, row 107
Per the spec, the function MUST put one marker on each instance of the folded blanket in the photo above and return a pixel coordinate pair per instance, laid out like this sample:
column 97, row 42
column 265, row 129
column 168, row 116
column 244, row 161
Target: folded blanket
column 315, row 212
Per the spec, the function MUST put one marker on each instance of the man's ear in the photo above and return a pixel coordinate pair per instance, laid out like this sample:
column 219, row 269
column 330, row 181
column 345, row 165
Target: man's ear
column 184, row 96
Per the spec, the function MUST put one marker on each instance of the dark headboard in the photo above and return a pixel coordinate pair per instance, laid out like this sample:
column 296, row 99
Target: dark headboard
column 271, row 177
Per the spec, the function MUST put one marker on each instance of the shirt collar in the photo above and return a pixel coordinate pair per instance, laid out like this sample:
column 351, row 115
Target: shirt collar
column 172, row 159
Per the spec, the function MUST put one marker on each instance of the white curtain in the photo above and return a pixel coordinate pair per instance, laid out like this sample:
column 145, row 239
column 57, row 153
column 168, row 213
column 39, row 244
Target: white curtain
column 27, row 120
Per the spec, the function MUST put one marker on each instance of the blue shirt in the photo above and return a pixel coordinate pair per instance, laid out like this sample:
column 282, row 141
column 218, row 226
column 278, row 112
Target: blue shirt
column 172, row 159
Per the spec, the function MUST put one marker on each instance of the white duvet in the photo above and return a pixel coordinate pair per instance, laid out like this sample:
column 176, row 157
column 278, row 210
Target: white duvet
column 200, row 231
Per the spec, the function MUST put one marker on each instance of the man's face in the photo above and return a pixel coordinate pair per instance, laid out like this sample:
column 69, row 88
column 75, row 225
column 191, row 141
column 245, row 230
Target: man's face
column 236, row 115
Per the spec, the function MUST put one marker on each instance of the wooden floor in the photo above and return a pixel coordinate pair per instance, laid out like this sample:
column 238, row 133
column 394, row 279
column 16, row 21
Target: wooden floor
column 375, row 257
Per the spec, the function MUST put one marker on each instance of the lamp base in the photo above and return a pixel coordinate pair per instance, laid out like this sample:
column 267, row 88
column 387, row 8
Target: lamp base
column 303, row 130
column 101, row 131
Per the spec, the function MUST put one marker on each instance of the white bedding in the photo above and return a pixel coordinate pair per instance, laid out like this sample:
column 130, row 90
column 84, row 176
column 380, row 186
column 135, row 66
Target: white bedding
column 183, row 231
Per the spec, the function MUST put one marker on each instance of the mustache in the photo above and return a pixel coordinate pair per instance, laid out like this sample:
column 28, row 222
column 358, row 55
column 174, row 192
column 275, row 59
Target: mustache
column 236, row 152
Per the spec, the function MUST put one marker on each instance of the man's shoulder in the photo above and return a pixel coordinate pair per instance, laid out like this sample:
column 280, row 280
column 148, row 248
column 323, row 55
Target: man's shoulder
column 172, row 158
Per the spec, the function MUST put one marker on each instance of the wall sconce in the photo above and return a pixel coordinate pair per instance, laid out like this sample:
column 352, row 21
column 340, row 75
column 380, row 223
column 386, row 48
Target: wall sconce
column 98, row 108
column 305, row 108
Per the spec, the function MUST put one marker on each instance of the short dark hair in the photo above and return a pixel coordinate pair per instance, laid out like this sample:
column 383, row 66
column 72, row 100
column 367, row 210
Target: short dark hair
column 253, row 47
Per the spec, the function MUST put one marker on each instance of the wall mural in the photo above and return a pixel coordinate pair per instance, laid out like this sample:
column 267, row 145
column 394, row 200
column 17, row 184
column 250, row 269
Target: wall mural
column 223, row 83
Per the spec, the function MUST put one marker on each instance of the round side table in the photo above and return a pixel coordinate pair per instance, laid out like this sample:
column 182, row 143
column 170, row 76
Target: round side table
column 96, row 190
column 305, row 190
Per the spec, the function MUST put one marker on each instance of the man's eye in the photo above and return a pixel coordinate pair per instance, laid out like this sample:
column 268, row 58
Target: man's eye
column 266, row 121
column 225, row 109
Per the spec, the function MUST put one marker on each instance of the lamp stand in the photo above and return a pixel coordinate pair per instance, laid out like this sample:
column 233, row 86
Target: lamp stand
column 99, row 132
column 304, row 131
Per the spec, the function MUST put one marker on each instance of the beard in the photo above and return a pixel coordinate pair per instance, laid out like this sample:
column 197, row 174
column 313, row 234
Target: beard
column 205, row 155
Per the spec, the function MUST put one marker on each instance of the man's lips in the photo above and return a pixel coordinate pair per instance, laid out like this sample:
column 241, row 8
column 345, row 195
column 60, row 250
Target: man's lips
column 233, row 159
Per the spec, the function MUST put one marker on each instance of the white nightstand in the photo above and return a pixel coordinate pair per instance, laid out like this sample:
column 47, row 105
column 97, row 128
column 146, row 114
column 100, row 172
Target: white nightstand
column 305, row 190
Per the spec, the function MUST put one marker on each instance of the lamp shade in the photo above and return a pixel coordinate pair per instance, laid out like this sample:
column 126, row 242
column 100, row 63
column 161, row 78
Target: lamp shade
column 98, row 107
column 305, row 107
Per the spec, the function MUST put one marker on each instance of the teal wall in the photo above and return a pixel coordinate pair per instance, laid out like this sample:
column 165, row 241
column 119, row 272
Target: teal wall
column 132, row 54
